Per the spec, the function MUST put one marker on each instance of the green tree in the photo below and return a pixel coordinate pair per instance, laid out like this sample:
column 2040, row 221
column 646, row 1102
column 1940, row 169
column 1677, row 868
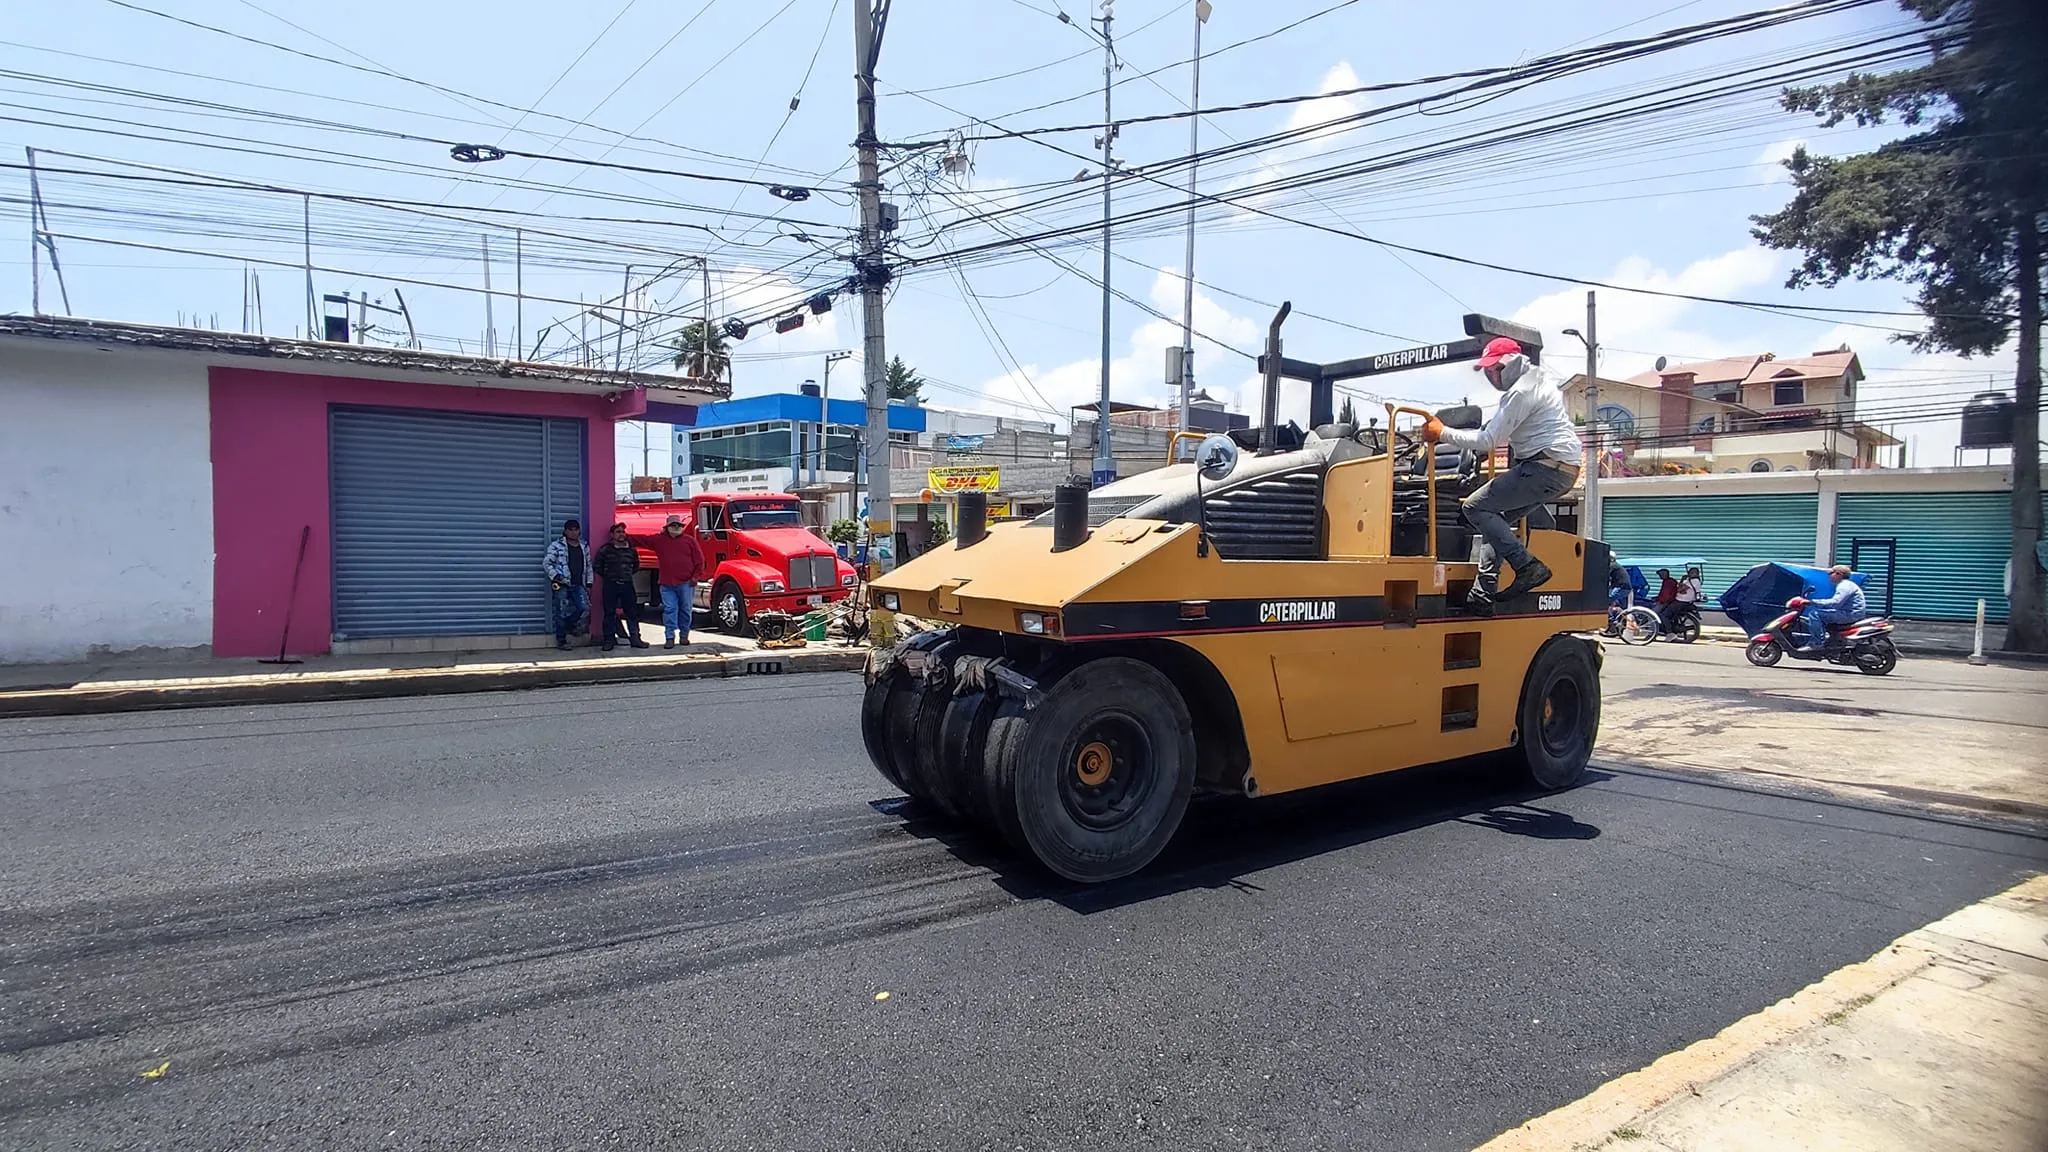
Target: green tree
column 690, row 353
column 843, row 531
column 904, row 382
column 1954, row 207
column 941, row 531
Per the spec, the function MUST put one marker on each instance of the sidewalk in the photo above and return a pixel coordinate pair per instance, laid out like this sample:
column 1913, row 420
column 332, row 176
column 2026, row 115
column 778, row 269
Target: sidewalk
column 121, row 686
column 1939, row 1043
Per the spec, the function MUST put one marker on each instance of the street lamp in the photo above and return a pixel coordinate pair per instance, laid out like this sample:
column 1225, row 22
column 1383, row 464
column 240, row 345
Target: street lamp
column 1589, row 510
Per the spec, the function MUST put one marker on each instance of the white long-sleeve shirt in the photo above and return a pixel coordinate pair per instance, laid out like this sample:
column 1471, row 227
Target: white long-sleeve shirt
column 1531, row 419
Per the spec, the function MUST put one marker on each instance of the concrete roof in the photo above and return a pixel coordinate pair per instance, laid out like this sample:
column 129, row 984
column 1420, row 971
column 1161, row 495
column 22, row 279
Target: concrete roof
column 358, row 360
column 1757, row 369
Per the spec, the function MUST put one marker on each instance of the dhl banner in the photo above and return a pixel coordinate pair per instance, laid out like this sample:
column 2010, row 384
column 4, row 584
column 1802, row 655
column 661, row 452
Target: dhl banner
column 951, row 480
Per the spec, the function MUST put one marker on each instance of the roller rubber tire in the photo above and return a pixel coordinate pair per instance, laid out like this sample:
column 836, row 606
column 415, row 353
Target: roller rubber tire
column 933, row 776
column 1764, row 653
column 899, row 728
column 963, row 734
column 1560, row 714
column 1094, row 833
column 1000, row 750
column 874, row 723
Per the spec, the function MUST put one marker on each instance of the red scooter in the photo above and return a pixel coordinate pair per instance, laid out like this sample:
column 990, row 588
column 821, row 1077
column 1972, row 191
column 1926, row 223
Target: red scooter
column 1866, row 644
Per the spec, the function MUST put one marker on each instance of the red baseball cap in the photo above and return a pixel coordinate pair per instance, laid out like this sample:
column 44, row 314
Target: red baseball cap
column 1497, row 349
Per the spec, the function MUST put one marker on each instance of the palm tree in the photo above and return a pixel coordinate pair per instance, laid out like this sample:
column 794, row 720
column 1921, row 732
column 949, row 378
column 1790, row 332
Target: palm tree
column 692, row 358
column 1347, row 414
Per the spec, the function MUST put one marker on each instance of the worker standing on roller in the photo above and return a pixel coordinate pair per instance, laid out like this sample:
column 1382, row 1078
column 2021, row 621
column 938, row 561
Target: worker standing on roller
column 1543, row 464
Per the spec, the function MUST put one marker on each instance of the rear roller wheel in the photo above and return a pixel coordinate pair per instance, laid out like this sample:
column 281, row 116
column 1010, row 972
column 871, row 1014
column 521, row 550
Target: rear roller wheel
column 1560, row 715
column 874, row 722
column 1102, row 769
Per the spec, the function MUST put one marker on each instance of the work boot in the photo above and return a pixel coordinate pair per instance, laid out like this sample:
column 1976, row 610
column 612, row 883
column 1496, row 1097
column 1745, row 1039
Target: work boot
column 1534, row 575
column 639, row 643
column 668, row 642
column 1478, row 601
column 608, row 646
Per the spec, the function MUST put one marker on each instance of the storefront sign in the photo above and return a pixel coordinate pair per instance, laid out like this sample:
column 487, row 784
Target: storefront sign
column 952, row 480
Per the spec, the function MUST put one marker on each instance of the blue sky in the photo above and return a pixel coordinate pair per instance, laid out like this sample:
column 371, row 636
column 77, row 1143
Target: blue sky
column 704, row 87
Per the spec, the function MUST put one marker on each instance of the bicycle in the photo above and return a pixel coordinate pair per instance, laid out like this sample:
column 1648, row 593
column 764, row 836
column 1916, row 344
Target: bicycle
column 1633, row 623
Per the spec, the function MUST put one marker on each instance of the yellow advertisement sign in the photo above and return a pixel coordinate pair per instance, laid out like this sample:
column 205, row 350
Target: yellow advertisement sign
column 951, row 480
column 997, row 511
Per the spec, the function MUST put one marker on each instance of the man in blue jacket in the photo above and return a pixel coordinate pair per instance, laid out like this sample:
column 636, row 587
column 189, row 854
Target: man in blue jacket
column 1842, row 606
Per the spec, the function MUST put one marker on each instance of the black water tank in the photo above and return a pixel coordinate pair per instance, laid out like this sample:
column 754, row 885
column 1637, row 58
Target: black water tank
column 810, row 388
column 1987, row 421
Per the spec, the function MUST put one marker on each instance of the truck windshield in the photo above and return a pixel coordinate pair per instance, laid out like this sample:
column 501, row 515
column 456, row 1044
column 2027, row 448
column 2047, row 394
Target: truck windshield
column 775, row 514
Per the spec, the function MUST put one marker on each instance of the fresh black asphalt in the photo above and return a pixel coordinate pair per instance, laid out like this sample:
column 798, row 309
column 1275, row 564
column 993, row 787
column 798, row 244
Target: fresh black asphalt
column 659, row 916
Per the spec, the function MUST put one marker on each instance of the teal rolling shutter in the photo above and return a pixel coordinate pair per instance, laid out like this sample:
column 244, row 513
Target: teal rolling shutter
column 1732, row 533
column 1952, row 548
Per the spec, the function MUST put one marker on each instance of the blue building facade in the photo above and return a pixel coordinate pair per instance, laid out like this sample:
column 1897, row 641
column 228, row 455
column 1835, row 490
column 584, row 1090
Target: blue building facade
column 782, row 431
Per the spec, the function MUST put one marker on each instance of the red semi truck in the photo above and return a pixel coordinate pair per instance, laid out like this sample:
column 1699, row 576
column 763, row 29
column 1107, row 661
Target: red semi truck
column 758, row 556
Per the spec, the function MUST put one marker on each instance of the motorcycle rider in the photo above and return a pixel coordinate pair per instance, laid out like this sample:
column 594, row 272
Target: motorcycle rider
column 1543, row 462
column 1842, row 606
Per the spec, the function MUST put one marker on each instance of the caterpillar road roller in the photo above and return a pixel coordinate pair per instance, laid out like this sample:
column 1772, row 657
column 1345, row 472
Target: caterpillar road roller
column 1287, row 610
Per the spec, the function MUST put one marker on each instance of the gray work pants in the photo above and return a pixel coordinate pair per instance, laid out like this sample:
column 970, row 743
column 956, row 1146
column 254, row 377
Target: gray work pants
column 1501, row 503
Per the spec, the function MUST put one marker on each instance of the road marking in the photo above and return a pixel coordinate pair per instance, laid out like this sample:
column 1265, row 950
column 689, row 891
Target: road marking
column 1592, row 1120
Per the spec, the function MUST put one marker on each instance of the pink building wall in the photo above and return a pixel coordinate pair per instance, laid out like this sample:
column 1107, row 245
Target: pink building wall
column 269, row 447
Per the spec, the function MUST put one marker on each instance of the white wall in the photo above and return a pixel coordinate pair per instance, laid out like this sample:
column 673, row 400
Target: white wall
column 106, row 503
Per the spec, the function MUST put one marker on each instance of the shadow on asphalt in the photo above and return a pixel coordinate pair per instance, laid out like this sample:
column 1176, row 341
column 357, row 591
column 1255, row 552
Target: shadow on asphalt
column 1224, row 839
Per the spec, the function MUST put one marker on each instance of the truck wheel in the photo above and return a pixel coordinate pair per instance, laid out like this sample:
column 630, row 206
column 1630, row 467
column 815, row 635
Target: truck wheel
column 963, row 733
column 1104, row 767
column 729, row 608
column 1000, row 749
column 1560, row 714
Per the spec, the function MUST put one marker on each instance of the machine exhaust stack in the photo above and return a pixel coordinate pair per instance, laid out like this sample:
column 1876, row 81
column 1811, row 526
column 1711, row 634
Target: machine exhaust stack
column 1069, row 516
column 1269, row 408
column 972, row 511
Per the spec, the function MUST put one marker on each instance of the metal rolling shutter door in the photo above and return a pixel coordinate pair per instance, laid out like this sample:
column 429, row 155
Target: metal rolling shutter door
column 440, row 519
column 1952, row 548
column 1732, row 533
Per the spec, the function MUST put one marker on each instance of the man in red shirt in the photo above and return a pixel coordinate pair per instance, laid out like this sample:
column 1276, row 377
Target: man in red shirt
column 681, row 563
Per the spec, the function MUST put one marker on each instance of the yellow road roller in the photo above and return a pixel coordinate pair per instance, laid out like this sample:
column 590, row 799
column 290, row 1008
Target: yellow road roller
column 1286, row 610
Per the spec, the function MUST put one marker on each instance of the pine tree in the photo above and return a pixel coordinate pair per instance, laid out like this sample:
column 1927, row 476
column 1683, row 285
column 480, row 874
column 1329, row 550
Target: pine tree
column 904, row 383
column 1955, row 208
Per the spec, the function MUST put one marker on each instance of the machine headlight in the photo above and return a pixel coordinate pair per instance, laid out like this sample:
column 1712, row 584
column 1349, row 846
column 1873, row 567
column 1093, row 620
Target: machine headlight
column 891, row 602
column 846, row 581
column 1039, row 623
column 771, row 585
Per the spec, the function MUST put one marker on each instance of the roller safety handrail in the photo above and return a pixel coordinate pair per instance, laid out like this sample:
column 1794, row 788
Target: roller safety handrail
column 1429, row 467
column 1173, row 444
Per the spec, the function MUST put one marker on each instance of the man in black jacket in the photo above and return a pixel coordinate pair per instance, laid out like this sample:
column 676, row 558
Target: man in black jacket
column 616, row 563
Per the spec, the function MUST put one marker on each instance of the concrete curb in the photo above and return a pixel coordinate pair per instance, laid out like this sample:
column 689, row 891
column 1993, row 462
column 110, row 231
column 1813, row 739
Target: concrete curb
column 220, row 691
column 1615, row 1113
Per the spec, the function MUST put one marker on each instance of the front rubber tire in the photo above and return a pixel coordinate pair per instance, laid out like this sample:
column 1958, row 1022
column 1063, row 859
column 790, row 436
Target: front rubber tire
column 1560, row 714
column 1688, row 629
column 1764, row 653
column 729, row 608
column 1103, row 769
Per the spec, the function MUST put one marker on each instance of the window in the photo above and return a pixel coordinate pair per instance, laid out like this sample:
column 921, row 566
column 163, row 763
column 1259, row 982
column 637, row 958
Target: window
column 1760, row 466
column 757, row 514
column 1788, row 392
column 1705, row 427
column 710, row 518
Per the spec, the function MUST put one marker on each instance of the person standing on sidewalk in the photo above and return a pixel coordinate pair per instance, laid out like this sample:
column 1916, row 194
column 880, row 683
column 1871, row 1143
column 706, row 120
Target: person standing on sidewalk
column 569, row 572
column 681, row 562
column 616, row 564
column 1543, row 463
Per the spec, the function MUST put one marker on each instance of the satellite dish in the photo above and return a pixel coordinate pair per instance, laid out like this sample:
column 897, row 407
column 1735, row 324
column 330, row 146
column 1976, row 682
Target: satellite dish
column 1216, row 456
column 1661, row 361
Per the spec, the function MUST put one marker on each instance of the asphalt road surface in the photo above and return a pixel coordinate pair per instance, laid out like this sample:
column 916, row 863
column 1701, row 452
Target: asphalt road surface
column 662, row 916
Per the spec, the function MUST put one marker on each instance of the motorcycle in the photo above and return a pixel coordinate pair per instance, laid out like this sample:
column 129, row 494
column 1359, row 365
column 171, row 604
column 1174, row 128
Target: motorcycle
column 1866, row 645
column 1682, row 622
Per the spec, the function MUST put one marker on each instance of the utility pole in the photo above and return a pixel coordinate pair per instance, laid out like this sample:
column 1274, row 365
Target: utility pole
column 1589, row 516
column 312, row 305
column 518, row 291
column 1105, row 460
column 1187, row 306
column 490, row 336
column 35, row 240
column 704, row 263
column 825, row 416
column 870, row 20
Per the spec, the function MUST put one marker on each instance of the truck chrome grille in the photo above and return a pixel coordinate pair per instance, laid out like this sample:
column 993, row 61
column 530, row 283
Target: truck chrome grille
column 813, row 572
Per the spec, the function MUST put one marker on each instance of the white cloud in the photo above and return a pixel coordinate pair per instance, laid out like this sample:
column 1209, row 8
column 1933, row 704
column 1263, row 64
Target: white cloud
column 1137, row 375
column 1317, row 120
column 1770, row 163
